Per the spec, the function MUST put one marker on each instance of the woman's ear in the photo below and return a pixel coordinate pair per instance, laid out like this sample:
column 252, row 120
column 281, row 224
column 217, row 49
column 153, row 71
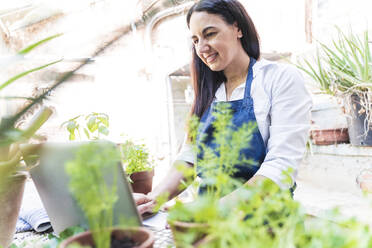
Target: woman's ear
column 238, row 30
column 240, row 35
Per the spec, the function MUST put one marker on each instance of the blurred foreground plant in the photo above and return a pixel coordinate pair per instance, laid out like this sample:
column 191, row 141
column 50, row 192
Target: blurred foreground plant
column 92, row 163
column 15, row 148
column 12, row 139
column 258, row 216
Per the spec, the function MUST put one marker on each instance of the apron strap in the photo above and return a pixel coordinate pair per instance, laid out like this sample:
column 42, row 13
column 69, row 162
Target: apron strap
column 248, row 82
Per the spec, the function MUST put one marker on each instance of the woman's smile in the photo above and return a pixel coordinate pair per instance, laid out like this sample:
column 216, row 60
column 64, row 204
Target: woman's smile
column 211, row 58
column 216, row 43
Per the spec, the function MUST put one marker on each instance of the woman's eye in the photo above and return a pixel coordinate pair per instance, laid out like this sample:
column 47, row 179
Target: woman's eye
column 210, row 34
column 195, row 42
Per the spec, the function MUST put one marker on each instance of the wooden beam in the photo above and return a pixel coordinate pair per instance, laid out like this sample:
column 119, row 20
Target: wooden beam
column 309, row 20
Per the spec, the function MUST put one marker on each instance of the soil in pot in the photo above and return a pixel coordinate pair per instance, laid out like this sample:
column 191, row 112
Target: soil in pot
column 123, row 243
column 138, row 237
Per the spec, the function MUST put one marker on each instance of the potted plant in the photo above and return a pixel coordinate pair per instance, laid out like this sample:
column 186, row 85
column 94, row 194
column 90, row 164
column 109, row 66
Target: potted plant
column 193, row 221
column 93, row 163
column 135, row 157
column 344, row 70
column 93, row 125
column 14, row 149
column 138, row 166
column 257, row 216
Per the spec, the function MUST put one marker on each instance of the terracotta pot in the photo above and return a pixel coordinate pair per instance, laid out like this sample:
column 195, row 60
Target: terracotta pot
column 179, row 229
column 139, row 235
column 11, row 194
column 142, row 181
column 330, row 136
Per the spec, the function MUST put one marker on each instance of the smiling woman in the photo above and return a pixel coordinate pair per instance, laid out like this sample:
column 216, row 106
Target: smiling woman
column 222, row 43
column 226, row 69
column 215, row 42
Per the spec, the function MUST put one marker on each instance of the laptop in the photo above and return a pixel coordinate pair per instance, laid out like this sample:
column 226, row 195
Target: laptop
column 52, row 184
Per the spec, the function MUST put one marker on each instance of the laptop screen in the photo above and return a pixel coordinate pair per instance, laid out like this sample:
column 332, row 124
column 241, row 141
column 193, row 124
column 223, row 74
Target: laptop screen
column 52, row 181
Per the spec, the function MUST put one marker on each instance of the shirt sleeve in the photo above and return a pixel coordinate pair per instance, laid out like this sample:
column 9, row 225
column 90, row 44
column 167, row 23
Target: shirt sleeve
column 288, row 132
column 186, row 153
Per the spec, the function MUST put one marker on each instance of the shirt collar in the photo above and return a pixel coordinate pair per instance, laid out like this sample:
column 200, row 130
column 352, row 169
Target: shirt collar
column 259, row 65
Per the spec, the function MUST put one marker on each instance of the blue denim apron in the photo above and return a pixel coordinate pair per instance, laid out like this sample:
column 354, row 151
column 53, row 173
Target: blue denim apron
column 243, row 112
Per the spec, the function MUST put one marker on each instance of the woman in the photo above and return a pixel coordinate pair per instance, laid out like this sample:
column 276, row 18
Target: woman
column 226, row 66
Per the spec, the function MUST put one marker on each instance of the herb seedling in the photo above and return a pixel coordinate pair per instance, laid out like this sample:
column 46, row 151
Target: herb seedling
column 135, row 157
column 260, row 216
column 93, row 162
column 93, row 125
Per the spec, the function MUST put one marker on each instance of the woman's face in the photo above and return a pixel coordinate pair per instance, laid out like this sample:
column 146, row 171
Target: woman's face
column 216, row 43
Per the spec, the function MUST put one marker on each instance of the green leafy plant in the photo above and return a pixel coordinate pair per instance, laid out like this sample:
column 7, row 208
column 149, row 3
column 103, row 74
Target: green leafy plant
column 14, row 142
column 257, row 216
column 93, row 163
column 344, row 69
column 92, row 125
column 54, row 241
column 217, row 165
column 135, row 157
column 11, row 137
column 217, row 168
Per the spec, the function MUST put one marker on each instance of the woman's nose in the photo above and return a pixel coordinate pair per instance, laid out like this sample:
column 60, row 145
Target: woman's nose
column 202, row 47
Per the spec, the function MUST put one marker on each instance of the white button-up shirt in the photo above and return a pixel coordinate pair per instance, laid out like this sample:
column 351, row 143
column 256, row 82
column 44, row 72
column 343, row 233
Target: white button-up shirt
column 282, row 106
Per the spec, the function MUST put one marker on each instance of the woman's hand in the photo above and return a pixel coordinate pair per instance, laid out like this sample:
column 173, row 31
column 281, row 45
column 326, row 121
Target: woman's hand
column 233, row 196
column 256, row 179
column 145, row 203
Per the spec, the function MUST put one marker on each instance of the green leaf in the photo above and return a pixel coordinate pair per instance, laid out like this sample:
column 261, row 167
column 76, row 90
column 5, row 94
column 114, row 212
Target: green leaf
column 11, row 80
column 91, row 124
column 71, row 231
column 87, row 170
column 367, row 59
column 32, row 46
column 71, row 126
column 104, row 121
column 72, row 136
column 103, row 130
column 54, row 241
column 87, row 133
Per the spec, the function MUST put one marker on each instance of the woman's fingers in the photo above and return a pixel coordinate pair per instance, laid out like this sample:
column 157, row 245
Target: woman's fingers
column 144, row 203
column 141, row 198
column 146, row 207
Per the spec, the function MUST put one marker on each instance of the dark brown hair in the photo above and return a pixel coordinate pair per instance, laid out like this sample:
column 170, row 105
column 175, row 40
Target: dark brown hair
column 204, row 80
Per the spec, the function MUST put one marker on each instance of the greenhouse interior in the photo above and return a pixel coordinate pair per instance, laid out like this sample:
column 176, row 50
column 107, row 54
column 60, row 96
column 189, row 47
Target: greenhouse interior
column 129, row 123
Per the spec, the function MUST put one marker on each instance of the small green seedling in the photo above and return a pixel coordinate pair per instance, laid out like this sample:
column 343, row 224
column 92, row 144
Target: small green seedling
column 92, row 125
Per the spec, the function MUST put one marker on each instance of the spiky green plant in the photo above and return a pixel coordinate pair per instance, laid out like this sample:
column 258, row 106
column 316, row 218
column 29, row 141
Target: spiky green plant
column 11, row 137
column 343, row 69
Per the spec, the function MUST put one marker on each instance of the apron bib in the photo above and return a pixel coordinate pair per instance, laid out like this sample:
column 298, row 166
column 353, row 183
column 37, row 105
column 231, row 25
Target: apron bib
column 242, row 112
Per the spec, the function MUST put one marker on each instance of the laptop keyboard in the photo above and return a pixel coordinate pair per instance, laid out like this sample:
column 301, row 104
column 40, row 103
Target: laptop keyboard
column 163, row 237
